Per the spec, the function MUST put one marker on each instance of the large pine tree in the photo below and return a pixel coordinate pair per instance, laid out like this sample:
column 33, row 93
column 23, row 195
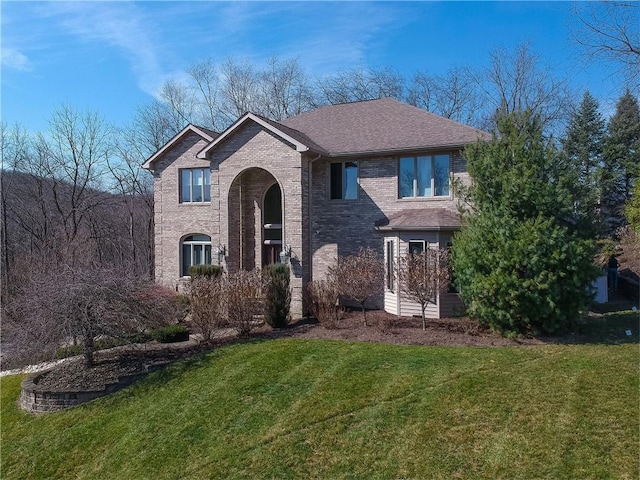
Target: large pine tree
column 583, row 148
column 524, row 259
column 621, row 166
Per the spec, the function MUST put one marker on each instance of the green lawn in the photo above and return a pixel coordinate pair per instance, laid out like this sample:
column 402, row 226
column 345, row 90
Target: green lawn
column 294, row 408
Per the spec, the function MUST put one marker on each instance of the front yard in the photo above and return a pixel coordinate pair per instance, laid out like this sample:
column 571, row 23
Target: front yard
column 309, row 408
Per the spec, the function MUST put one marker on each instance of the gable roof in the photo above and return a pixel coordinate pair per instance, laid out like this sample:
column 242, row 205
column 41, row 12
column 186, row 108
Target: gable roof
column 424, row 219
column 205, row 133
column 300, row 141
column 380, row 126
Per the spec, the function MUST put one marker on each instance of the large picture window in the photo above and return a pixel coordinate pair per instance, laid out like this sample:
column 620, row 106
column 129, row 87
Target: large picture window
column 424, row 176
column 344, row 181
column 195, row 250
column 195, row 185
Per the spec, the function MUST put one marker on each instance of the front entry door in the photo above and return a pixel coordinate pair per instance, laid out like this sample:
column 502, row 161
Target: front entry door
column 272, row 226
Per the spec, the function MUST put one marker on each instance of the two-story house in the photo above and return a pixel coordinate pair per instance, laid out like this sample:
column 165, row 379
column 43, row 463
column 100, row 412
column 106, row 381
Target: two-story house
column 306, row 189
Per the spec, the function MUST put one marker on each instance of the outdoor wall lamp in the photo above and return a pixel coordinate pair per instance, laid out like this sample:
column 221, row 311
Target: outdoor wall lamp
column 285, row 253
column 221, row 251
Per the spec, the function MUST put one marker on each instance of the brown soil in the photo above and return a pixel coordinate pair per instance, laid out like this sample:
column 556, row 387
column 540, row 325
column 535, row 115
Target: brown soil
column 381, row 328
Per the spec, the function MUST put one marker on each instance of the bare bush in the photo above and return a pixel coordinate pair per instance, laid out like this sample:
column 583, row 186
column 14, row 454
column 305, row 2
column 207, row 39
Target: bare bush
column 242, row 293
column 323, row 302
column 207, row 300
column 84, row 304
column 359, row 277
column 423, row 276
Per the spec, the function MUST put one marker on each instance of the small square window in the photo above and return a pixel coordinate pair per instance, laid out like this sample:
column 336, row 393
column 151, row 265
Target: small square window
column 416, row 247
column 344, row 181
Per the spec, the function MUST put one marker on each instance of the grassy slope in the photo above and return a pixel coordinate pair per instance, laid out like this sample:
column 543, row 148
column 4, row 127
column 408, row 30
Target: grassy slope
column 321, row 409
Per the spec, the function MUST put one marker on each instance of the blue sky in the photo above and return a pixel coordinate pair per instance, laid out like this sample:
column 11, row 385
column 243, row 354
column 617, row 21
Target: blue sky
column 113, row 56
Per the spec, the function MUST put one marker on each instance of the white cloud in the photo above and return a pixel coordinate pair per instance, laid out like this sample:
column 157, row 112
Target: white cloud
column 120, row 25
column 14, row 59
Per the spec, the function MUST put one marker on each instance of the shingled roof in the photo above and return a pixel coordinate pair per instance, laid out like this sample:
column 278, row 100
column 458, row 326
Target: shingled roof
column 380, row 126
column 420, row 219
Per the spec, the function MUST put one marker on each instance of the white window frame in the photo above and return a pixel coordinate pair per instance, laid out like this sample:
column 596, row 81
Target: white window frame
column 390, row 274
column 421, row 242
column 191, row 244
column 205, row 185
column 433, row 176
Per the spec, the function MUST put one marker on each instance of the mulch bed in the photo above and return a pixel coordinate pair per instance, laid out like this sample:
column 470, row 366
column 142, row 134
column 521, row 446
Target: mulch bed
column 381, row 328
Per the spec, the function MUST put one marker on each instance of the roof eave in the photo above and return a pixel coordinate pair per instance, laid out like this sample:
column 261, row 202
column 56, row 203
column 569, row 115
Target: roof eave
column 396, row 151
column 300, row 147
column 167, row 146
column 387, row 228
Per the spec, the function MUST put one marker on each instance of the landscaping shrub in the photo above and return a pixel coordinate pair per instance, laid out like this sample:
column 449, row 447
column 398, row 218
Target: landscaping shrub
column 277, row 295
column 323, row 302
column 171, row 334
column 183, row 306
column 359, row 277
column 207, row 300
column 242, row 299
column 205, row 271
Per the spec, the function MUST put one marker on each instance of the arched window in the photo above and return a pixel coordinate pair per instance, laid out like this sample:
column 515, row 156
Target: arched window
column 195, row 250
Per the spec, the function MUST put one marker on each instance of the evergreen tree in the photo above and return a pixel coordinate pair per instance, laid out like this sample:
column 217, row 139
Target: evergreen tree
column 583, row 148
column 524, row 260
column 621, row 160
column 632, row 209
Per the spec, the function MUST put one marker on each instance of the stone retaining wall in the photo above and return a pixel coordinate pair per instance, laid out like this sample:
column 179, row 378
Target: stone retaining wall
column 35, row 399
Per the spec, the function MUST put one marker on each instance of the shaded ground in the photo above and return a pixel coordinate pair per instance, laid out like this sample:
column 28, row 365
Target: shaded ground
column 381, row 328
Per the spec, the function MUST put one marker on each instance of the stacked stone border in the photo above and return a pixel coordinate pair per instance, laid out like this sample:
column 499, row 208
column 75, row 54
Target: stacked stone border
column 38, row 399
column 35, row 399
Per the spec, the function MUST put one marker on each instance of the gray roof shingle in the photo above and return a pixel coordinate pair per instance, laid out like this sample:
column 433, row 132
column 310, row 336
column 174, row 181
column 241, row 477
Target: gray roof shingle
column 421, row 219
column 383, row 125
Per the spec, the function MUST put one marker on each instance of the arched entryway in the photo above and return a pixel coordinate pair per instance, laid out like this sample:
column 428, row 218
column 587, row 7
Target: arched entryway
column 256, row 221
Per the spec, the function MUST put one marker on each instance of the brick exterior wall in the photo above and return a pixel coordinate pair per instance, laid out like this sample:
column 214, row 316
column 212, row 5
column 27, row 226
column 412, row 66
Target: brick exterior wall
column 342, row 227
column 318, row 229
column 173, row 220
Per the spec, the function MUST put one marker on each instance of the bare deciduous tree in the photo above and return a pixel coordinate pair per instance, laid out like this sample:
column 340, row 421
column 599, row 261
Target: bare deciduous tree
column 516, row 81
column 423, row 276
column 181, row 104
column 359, row 277
column 357, row 85
column 453, row 95
column 240, row 90
column 134, row 187
column 285, row 90
column 610, row 30
column 14, row 150
column 207, row 85
column 85, row 304
column 72, row 158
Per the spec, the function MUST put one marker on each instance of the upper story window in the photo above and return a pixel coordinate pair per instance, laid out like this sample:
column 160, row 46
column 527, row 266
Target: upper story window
column 195, row 185
column 344, row 181
column 424, row 176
